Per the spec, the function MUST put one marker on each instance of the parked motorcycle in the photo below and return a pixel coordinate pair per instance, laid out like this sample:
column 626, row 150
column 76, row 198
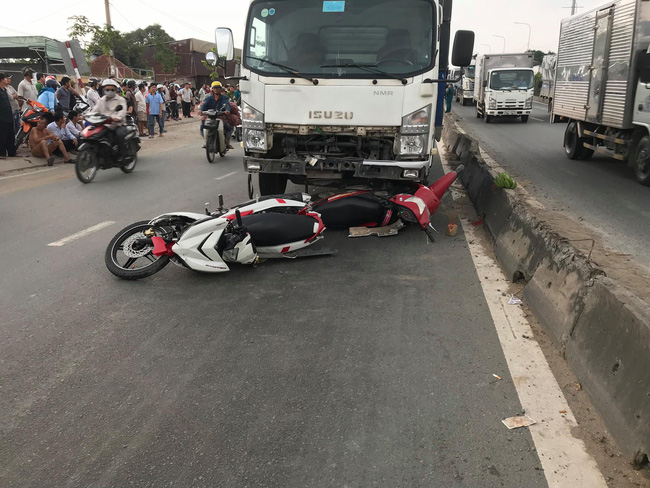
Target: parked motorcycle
column 266, row 229
column 98, row 147
column 29, row 120
column 215, row 138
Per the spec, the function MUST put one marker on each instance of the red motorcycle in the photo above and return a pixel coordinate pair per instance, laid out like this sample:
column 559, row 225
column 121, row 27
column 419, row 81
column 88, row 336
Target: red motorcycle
column 29, row 120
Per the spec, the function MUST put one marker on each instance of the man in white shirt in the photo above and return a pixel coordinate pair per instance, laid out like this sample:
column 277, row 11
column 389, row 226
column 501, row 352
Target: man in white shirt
column 92, row 95
column 26, row 89
column 186, row 100
column 74, row 123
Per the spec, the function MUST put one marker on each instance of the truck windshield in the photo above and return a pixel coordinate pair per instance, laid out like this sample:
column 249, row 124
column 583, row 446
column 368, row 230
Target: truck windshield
column 333, row 39
column 512, row 80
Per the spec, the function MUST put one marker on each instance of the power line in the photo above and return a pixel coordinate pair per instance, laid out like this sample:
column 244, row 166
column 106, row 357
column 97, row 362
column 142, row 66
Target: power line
column 184, row 24
column 122, row 15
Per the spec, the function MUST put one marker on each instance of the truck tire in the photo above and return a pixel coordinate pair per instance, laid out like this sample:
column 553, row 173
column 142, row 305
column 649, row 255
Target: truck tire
column 572, row 143
column 524, row 119
column 272, row 184
column 642, row 161
column 488, row 118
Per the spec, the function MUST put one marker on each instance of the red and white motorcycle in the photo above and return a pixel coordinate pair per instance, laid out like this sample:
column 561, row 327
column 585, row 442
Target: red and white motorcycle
column 265, row 229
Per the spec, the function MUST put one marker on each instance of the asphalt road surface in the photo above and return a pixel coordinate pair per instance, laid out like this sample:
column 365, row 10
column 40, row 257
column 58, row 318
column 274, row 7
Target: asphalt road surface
column 371, row 368
column 600, row 191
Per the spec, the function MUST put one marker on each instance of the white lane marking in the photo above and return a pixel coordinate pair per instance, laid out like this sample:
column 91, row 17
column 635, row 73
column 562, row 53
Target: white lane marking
column 30, row 173
column 83, row 233
column 564, row 458
column 535, row 118
column 226, row 176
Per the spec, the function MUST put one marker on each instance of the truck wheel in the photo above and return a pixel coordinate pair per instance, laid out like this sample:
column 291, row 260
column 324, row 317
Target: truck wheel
column 488, row 118
column 572, row 143
column 642, row 161
column 524, row 118
column 272, row 184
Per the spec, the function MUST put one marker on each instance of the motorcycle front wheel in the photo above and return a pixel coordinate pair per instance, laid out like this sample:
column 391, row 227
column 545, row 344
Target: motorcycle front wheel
column 20, row 137
column 126, row 258
column 211, row 147
column 86, row 166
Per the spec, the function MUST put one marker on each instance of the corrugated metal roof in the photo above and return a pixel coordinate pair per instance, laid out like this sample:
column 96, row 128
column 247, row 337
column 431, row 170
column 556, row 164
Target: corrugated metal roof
column 28, row 46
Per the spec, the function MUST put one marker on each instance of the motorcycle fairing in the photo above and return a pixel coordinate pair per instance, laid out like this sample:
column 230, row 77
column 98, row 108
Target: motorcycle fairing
column 196, row 247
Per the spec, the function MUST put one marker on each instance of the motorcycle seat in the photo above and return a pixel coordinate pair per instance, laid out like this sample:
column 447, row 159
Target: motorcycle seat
column 352, row 211
column 274, row 229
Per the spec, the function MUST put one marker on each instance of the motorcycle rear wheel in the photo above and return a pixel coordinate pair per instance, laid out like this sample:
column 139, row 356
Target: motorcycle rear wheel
column 124, row 243
column 20, row 137
column 86, row 166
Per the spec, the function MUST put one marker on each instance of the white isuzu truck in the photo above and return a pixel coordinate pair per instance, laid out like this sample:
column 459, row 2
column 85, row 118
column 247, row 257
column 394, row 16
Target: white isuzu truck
column 602, row 85
column 504, row 86
column 344, row 92
column 465, row 88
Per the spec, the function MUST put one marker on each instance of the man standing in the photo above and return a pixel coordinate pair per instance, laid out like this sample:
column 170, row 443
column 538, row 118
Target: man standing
column 238, row 96
column 92, row 94
column 186, row 100
column 40, row 82
column 163, row 109
column 449, row 95
column 64, row 94
column 155, row 104
column 26, row 89
column 7, row 134
column 141, row 107
column 15, row 107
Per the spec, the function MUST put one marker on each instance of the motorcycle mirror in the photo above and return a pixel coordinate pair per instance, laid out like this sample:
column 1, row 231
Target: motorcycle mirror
column 238, row 215
column 207, row 210
column 220, row 202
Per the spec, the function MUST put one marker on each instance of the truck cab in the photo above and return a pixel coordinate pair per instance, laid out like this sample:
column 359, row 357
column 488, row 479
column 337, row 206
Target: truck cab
column 505, row 86
column 465, row 89
column 338, row 93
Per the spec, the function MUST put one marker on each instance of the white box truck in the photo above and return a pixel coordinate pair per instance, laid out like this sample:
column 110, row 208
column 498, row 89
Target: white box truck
column 548, row 76
column 344, row 92
column 504, row 86
column 602, row 85
column 465, row 87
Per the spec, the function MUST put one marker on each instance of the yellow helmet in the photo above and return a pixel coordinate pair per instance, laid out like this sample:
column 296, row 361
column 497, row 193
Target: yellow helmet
column 215, row 83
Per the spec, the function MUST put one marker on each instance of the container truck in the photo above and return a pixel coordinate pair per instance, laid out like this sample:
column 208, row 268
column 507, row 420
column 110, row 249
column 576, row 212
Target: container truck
column 339, row 93
column 602, row 84
column 504, row 86
column 465, row 87
column 548, row 77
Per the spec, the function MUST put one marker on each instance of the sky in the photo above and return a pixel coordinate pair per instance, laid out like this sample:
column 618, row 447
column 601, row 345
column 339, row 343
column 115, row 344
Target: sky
column 487, row 18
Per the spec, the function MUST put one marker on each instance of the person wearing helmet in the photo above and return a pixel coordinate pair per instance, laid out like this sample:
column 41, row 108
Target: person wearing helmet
column 92, row 94
column 219, row 102
column 48, row 94
column 114, row 106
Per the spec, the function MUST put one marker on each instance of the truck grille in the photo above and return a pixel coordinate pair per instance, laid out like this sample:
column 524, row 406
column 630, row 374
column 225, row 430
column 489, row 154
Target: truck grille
column 510, row 105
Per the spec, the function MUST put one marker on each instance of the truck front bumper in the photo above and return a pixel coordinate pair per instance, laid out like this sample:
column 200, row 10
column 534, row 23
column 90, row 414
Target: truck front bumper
column 508, row 113
column 335, row 168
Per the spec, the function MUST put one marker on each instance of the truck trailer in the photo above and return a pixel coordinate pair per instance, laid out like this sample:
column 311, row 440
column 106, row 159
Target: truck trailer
column 338, row 93
column 602, row 84
column 548, row 77
column 504, row 86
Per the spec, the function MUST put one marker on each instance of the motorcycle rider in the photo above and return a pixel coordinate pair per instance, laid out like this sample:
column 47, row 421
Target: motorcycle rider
column 219, row 102
column 114, row 106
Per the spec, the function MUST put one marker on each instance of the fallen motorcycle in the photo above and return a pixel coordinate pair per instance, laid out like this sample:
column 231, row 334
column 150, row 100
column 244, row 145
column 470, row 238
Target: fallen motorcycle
column 266, row 229
column 413, row 203
column 29, row 120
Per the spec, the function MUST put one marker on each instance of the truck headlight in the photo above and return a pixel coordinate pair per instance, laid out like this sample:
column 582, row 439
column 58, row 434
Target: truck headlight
column 492, row 104
column 255, row 140
column 529, row 103
column 251, row 118
column 417, row 122
column 412, row 145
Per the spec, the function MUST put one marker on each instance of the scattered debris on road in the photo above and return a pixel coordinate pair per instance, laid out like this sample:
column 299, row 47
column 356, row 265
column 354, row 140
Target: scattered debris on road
column 517, row 422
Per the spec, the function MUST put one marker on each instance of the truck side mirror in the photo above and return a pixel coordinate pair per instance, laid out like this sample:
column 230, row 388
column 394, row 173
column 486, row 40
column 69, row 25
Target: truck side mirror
column 211, row 58
column 225, row 43
column 463, row 48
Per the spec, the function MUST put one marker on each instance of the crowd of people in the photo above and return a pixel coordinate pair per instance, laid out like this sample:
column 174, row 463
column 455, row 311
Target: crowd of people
column 150, row 104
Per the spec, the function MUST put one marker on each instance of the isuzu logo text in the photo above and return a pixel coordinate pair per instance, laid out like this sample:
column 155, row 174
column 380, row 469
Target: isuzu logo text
column 321, row 114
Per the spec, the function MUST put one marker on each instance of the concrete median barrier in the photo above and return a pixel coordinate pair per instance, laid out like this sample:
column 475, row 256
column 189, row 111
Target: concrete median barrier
column 601, row 328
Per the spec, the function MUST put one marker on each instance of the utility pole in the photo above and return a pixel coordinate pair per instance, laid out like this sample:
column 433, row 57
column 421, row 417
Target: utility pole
column 574, row 7
column 113, row 70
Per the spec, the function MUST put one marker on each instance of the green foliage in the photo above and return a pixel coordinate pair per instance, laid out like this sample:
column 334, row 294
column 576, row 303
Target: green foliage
column 538, row 56
column 128, row 47
column 503, row 180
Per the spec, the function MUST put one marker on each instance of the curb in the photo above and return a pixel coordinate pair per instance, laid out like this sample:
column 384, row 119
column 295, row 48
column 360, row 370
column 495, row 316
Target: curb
column 602, row 330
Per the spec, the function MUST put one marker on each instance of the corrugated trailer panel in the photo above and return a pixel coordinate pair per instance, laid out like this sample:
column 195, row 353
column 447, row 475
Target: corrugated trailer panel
column 574, row 59
column 618, row 99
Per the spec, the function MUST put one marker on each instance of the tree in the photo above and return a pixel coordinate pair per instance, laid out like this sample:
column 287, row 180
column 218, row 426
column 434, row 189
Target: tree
column 538, row 56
